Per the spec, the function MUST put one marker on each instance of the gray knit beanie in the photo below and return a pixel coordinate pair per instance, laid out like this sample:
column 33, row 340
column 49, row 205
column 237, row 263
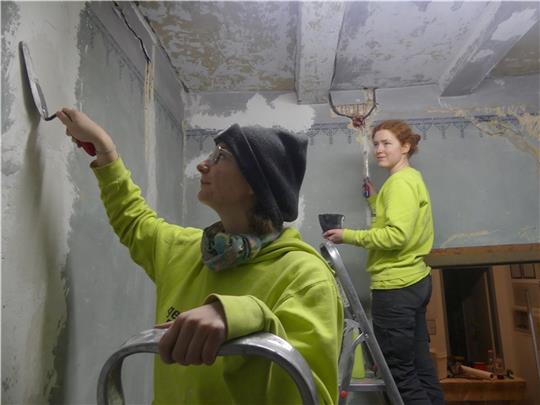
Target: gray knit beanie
column 273, row 161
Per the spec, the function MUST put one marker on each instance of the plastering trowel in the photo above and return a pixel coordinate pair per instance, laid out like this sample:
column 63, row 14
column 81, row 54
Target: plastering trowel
column 39, row 98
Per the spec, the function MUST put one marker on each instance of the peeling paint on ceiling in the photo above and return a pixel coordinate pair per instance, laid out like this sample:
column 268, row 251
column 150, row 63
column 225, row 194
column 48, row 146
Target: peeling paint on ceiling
column 256, row 46
column 228, row 45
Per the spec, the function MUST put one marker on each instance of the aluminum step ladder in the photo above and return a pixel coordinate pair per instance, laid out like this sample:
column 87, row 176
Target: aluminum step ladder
column 378, row 376
column 263, row 344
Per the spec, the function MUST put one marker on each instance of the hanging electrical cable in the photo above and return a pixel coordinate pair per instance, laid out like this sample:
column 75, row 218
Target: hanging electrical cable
column 358, row 113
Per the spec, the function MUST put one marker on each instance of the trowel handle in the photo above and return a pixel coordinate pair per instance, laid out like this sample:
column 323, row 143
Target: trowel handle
column 365, row 188
column 87, row 146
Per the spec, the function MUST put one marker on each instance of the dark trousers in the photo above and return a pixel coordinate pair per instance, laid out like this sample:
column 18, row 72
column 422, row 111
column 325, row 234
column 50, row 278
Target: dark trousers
column 399, row 323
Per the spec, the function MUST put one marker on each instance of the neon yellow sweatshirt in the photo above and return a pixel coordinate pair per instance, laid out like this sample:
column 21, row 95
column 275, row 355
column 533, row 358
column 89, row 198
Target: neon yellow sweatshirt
column 401, row 233
column 287, row 289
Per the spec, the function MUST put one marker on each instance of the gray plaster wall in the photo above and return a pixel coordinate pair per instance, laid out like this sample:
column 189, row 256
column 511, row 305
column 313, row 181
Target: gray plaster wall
column 70, row 293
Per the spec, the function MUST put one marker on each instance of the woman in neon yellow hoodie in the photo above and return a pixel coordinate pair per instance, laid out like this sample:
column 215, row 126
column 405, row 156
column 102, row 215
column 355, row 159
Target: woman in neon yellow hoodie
column 243, row 274
column 399, row 238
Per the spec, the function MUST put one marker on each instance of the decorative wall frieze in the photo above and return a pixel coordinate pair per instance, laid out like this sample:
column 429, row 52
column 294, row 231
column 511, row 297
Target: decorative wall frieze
column 327, row 132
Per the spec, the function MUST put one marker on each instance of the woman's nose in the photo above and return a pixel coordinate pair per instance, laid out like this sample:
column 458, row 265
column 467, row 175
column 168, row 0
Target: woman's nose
column 203, row 167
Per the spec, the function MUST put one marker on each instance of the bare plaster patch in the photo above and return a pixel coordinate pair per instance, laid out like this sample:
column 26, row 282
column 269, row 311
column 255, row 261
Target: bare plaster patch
column 150, row 134
column 529, row 233
column 283, row 112
column 506, row 29
column 484, row 53
column 190, row 171
column 297, row 223
column 464, row 237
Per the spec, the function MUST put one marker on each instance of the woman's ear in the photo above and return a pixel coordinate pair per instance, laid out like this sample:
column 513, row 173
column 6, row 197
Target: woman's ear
column 405, row 148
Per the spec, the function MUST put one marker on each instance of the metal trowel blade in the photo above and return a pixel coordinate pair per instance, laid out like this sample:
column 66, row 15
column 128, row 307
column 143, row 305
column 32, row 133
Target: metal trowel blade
column 37, row 93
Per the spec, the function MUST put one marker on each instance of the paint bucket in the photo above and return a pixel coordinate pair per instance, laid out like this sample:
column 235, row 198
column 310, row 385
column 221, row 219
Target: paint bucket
column 331, row 221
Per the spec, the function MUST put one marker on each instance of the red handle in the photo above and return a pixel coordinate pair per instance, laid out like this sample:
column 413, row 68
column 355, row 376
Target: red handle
column 87, row 146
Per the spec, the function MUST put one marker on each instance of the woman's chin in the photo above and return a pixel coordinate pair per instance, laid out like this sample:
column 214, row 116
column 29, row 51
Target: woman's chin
column 201, row 197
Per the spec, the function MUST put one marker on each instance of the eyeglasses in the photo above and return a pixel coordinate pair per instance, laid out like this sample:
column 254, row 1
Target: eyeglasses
column 216, row 155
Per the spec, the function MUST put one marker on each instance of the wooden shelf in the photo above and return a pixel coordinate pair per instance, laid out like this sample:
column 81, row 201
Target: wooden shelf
column 484, row 255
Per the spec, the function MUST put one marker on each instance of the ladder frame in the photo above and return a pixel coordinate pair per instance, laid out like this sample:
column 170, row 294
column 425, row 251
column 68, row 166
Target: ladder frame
column 355, row 317
column 262, row 344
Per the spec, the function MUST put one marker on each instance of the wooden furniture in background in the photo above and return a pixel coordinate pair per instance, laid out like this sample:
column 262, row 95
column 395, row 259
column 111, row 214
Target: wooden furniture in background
column 468, row 390
column 474, row 255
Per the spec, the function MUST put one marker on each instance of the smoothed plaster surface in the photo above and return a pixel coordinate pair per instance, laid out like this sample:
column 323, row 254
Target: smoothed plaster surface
column 38, row 197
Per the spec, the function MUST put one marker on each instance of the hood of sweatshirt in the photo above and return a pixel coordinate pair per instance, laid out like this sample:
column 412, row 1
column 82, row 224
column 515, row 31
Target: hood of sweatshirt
column 288, row 241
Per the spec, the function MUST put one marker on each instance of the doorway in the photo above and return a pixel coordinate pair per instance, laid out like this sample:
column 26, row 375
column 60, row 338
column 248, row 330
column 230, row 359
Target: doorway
column 473, row 333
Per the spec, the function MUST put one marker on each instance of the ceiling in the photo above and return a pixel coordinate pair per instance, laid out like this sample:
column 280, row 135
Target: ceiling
column 294, row 46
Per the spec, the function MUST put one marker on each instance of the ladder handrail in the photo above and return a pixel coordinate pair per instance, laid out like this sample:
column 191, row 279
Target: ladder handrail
column 330, row 252
column 263, row 344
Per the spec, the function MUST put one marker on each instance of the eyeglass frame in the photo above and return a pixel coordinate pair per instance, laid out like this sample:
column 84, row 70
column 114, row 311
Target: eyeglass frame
column 214, row 157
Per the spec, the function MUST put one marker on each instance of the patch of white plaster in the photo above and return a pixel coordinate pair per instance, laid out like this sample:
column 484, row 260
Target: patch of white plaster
column 297, row 223
column 190, row 171
column 507, row 29
column 38, row 199
column 484, row 53
column 283, row 111
column 529, row 233
column 150, row 133
column 463, row 237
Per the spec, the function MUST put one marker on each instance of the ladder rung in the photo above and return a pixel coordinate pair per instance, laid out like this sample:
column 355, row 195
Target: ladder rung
column 366, row 384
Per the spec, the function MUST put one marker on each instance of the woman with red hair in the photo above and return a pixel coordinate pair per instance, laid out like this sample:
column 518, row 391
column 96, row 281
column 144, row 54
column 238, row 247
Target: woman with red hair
column 399, row 237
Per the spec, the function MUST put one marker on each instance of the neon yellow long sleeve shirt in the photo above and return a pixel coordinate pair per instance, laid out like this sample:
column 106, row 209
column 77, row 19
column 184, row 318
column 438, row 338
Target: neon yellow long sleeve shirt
column 287, row 289
column 401, row 233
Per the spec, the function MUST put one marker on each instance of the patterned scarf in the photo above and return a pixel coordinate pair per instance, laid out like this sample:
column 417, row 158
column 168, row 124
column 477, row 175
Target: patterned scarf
column 221, row 250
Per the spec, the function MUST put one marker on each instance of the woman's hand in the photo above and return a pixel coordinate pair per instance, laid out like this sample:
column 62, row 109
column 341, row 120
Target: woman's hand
column 81, row 128
column 334, row 235
column 195, row 336
column 368, row 188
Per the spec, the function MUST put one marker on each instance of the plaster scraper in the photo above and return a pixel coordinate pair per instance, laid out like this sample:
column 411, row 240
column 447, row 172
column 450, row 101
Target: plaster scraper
column 39, row 98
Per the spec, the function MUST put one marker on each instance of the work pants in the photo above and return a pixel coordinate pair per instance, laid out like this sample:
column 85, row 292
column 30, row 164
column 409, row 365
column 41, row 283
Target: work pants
column 399, row 323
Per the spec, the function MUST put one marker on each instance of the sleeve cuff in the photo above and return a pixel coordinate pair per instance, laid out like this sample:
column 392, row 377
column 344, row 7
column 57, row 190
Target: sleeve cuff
column 110, row 172
column 352, row 237
column 243, row 314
